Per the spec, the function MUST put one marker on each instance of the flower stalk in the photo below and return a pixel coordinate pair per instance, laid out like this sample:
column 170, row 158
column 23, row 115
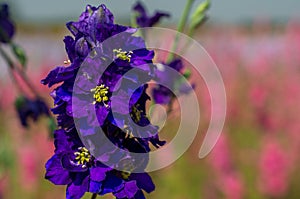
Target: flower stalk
column 94, row 196
column 19, row 71
column 181, row 26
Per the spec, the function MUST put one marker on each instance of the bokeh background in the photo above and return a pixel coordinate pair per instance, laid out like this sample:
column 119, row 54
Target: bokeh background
column 256, row 45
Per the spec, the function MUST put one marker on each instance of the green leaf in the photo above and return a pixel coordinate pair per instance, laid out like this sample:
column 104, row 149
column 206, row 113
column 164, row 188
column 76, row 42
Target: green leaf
column 200, row 15
column 187, row 73
column 51, row 126
column 20, row 54
column 19, row 102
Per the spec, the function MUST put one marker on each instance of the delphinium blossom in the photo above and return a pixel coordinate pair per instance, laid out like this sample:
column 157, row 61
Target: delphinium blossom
column 30, row 108
column 72, row 163
column 162, row 94
column 143, row 19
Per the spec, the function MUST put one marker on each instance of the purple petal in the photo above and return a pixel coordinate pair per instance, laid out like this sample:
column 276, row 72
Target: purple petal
column 143, row 181
column 61, row 141
column 6, row 25
column 77, row 190
column 102, row 113
column 129, row 190
column 156, row 18
column 95, row 187
column 70, row 48
column 98, row 174
column 139, row 195
column 112, row 184
column 55, row 172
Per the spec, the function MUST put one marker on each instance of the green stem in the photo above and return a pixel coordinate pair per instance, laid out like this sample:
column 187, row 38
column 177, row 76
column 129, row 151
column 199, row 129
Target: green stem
column 28, row 82
column 10, row 70
column 94, row 196
column 22, row 74
column 181, row 26
column 6, row 58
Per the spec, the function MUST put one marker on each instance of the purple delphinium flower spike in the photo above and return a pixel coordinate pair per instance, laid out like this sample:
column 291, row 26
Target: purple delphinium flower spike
column 74, row 165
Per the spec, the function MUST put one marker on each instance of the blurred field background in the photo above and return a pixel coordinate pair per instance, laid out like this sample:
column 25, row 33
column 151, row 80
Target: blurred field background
column 257, row 155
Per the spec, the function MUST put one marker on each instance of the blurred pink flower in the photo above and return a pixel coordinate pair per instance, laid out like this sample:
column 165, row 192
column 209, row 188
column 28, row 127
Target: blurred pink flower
column 273, row 170
column 28, row 167
column 232, row 186
column 7, row 96
column 219, row 158
column 258, row 96
column 228, row 180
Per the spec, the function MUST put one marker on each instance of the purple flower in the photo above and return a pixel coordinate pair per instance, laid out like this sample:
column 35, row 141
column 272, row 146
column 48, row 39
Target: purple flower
column 74, row 165
column 143, row 20
column 170, row 77
column 7, row 28
column 162, row 95
column 28, row 108
column 133, row 186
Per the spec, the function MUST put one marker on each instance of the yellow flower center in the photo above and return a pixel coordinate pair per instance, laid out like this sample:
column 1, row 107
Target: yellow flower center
column 100, row 94
column 82, row 156
column 124, row 55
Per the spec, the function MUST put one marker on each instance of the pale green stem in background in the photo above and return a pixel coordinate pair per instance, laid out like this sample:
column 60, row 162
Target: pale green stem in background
column 20, row 72
column 181, row 27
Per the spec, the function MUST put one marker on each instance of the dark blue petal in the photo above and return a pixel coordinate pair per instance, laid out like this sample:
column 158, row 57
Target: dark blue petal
column 111, row 184
column 61, row 141
column 28, row 108
column 7, row 28
column 129, row 190
column 70, row 47
column 156, row 18
column 59, row 74
column 76, row 190
column 56, row 173
column 139, row 195
column 143, row 181
column 162, row 95
column 95, row 187
column 143, row 20
column 98, row 174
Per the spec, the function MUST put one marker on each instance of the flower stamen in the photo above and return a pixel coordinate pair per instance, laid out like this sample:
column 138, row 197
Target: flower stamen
column 124, row 55
column 82, row 156
column 100, row 94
